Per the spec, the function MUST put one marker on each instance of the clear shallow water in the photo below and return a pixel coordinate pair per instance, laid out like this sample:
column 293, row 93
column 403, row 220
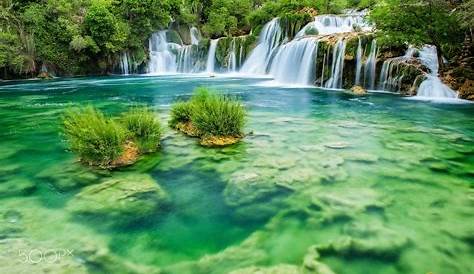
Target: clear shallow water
column 377, row 184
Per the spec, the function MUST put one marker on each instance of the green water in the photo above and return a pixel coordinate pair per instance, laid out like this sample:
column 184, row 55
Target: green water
column 377, row 184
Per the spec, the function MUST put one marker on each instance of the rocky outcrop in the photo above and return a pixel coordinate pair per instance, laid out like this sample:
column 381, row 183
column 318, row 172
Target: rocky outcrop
column 126, row 197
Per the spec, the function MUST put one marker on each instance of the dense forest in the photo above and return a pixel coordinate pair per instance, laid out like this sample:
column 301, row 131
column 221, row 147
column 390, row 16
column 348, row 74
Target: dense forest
column 78, row 37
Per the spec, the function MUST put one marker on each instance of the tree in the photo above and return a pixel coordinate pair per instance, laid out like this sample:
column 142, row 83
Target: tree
column 418, row 22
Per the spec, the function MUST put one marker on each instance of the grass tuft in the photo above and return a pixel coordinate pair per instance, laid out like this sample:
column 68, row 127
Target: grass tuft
column 97, row 139
column 144, row 128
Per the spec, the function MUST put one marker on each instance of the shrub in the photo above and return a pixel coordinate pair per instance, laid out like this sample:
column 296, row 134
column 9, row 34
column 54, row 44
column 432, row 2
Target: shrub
column 144, row 128
column 218, row 115
column 180, row 113
column 98, row 140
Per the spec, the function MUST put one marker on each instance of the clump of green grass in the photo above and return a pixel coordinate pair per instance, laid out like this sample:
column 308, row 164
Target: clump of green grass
column 219, row 115
column 144, row 128
column 210, row 114
column 98, row 140
column 180, row 113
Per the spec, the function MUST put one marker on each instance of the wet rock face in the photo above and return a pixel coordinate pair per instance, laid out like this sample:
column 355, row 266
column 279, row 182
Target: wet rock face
column 129, row 197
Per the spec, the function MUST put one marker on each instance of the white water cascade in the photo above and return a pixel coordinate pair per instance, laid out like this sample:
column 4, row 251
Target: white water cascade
column 370, row 66
column 294, row 62
column 211, row 56
column 330, row 24
column 269, row 40
column 390, row 79
column 125, row 63
column 337, row 67
column 358, row 63
column 195, row 35
column 432, row 87
column 162, row 58
column 232, row 62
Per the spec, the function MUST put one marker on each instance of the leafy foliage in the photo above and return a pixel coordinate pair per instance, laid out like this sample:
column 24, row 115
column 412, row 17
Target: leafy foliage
column 97, row 139
column 144, row 128
column 418, row 22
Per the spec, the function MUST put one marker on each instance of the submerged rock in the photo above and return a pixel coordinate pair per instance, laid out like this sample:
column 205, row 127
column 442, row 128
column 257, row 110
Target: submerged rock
column 129, row 196
column 358, row 90
column 67, row 177
column 372, row 239
column 16, row 186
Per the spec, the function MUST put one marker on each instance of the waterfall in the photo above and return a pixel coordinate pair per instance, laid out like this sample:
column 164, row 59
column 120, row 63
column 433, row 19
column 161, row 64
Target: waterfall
column 162, row 58
column 358, row 63
column 125, row 63
column 389, row 74
column 185, row 61
column 211, row 56
column 370, row 66
column 270, row 38
column 432, row 86
column 330, row 24
column 294, row 62
column 232, row 61
column 337, row 66
column 195, row 35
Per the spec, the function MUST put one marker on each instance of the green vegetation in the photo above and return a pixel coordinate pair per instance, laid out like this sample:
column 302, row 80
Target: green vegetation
column 419, row 22
column 72, row 37
column 180, row 113
column 209, row 115
column 144, row 128
column 105, row 142
column 97, row 140
column 219, row 116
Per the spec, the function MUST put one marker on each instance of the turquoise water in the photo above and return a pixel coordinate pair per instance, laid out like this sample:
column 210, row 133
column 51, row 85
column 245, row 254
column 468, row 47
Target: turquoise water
column 376, row 184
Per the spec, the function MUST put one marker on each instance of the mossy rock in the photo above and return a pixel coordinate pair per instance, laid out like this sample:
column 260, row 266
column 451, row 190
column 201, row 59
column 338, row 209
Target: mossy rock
column 132, row 196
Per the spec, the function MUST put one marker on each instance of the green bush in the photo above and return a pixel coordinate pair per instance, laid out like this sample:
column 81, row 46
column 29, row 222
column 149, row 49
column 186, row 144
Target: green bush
column 218, row 115
column 144, row 128
column 180, row 113
column 97, row 139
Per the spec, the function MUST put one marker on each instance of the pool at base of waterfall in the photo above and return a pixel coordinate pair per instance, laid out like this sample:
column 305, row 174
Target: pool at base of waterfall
column 327, row 181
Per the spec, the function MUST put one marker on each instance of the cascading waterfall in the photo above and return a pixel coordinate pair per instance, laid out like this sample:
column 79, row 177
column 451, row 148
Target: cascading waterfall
column 195, row 35
column 125, row 63
column 211, row 56
column 162, row 57
column 432, row 87
column 389, row 75
column 232, row 62
column 330, row 24
column 269, row 40
column 370, row 66
column 337, row 65
column 358, row 63
column 294, row 62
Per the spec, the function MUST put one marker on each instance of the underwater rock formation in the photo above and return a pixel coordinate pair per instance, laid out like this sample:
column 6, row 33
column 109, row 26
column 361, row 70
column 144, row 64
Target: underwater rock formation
column 129, row 196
